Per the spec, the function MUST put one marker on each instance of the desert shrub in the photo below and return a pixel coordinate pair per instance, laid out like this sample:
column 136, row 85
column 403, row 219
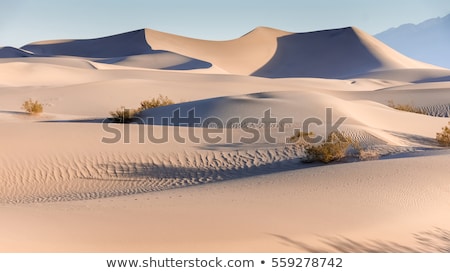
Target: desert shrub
column 301, row 137
column 123, row 115
column 368, row 155
column 333, row 149
column 32, row 107
column 363, row 153
column 405, row 107
column 443, row 137
column 155, row 102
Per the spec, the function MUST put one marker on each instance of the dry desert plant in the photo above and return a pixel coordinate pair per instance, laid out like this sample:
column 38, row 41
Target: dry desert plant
column 405, row 107
column 443, row 138
column 155, row 102
column 32, row 107
column 123, row 115
column 301, row 137
column 333, row 149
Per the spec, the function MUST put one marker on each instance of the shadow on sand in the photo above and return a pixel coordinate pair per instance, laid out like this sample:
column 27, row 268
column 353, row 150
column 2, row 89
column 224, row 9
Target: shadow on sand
column 436, row 240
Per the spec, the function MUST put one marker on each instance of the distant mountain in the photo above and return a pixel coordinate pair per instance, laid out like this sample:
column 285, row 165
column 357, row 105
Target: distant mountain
column 428, row 41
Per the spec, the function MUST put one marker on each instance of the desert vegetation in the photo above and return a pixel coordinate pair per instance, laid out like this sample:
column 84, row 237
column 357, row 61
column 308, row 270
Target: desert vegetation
column 443, row 138
column 155, row 102
column 405, row 107
column 333, row 149
column 32, row 107
column 301, row 137
column 336, row 147
column 124, row 115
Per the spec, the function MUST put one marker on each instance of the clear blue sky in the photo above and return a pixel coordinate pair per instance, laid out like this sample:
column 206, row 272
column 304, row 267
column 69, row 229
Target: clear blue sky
column 24, row 21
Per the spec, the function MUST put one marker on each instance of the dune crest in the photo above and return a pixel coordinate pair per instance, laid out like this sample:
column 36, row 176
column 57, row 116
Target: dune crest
column 264, row 52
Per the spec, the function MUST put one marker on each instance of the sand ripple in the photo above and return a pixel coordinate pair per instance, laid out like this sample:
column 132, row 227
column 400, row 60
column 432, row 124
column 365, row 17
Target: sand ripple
column 49, row 178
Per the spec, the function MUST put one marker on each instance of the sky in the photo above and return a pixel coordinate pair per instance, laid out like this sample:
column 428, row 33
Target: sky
column 25, row 21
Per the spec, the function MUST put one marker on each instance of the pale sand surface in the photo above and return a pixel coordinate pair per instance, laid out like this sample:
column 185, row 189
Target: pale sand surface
column 63, row 189
column 385, row 200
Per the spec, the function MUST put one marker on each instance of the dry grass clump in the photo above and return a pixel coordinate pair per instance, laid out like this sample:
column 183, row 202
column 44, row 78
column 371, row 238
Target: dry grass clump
column 365, row 155
column 32, row 107
column 333, row 149
column 443, row 138
column 301, row 137
column 155, row 102
column 405, row 107
column 123, row 115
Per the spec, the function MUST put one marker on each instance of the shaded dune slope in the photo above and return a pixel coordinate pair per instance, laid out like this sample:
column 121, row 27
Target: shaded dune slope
column 127, row 49
column 337, row 53
column 126, row 44
column 12, row 52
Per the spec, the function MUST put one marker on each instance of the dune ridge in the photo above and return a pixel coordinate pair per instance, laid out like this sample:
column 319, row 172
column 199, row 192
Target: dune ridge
column 263, row 52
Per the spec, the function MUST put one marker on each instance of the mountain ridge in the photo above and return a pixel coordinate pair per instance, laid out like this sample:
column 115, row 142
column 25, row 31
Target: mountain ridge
column 427, row 41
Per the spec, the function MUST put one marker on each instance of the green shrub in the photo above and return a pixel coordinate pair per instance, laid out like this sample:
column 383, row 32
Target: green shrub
column 443, row 137
column 333, row 149
column 33, row 107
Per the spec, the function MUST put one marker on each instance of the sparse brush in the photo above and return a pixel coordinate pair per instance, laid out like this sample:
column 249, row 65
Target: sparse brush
column 405, row 107
column 123, row 115
column 335, row 148
column 368, row 155
column 443, row 138
column 301, row 137
column 32, row 107
column 155, row 102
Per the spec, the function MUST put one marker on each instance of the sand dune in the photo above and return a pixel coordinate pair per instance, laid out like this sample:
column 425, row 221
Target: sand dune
column 134, row 193
column 298, row 105
column 11, row 52
column 162, row 60
column 126, row 44
column 340, row 53
column 240, row 56
column 265, row 52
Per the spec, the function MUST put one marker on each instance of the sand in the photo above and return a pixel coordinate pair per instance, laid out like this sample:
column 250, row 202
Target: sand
column 64, row 188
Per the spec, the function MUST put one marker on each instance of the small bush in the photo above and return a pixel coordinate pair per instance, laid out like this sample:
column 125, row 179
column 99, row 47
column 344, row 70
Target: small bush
column 32, row 107
column 155, row 102
column 365, row 155
column 405, row 107
column 123, row 115
column 301, row 137
column 443, row 137
column 332, row 150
